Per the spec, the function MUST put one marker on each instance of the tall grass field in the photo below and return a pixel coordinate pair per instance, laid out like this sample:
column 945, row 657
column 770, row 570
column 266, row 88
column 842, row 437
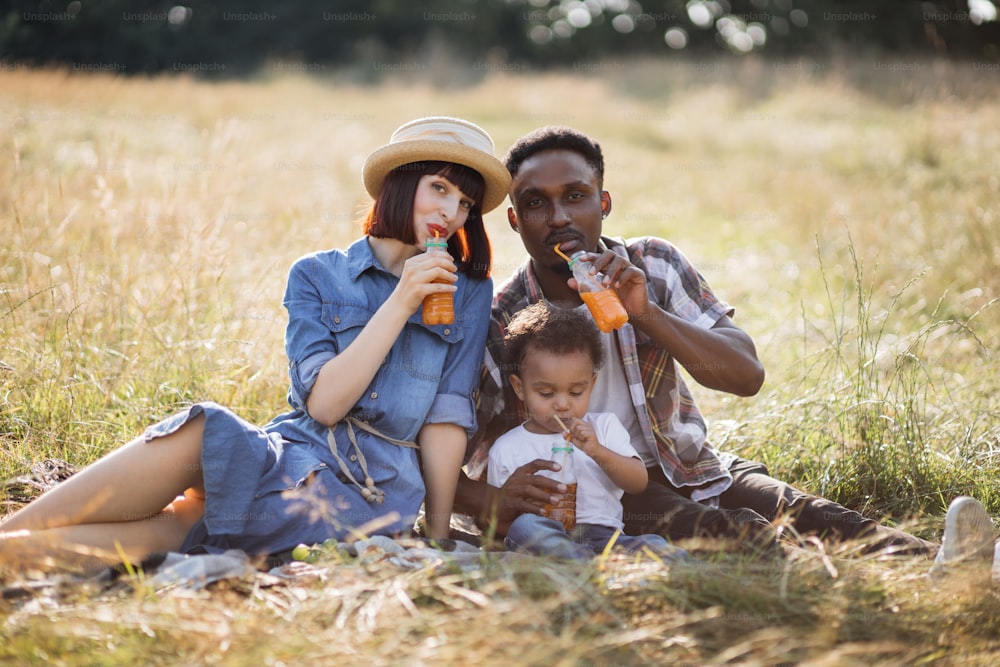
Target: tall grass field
column 849, row 212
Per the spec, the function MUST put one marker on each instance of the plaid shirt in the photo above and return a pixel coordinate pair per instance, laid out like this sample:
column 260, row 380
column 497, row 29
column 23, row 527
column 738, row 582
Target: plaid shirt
column 672, row 426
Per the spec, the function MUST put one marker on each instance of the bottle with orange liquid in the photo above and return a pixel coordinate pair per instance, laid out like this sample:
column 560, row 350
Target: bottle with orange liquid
column 438, row 308
column 604, row 304
column 564, row 510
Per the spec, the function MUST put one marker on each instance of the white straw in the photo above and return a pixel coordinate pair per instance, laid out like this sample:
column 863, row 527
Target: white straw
column 561, row 423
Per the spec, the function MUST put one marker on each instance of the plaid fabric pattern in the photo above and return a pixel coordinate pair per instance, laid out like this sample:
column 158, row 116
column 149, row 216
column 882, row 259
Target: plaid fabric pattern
column 671, row 423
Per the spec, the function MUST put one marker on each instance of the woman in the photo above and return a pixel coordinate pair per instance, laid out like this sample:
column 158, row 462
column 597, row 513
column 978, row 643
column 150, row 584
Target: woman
column 370, row 383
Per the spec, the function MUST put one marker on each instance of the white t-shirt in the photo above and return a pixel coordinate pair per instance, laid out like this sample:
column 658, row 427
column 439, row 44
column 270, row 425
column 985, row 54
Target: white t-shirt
column 611, row 394
column 598, row 499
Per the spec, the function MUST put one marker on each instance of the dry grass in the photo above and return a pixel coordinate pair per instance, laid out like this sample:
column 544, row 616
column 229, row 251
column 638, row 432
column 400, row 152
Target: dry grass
column 848, row 212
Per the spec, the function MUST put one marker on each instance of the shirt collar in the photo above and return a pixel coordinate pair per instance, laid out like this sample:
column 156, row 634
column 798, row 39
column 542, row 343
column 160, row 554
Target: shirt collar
column 530, row 285
column 360, row 258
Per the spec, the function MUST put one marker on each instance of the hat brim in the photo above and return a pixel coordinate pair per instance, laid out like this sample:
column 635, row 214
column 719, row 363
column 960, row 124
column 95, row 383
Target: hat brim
column 385, row 159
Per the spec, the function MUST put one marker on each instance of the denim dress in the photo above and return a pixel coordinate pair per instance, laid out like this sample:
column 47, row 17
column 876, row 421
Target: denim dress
column 257, row 498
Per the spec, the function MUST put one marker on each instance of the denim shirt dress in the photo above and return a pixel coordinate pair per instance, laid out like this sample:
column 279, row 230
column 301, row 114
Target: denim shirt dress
column 257, row 498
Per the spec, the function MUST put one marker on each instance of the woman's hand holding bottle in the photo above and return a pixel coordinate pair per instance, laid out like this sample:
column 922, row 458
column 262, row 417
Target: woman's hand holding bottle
column 423, row 274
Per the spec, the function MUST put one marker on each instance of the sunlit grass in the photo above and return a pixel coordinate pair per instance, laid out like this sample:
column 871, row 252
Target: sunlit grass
column 848, row 214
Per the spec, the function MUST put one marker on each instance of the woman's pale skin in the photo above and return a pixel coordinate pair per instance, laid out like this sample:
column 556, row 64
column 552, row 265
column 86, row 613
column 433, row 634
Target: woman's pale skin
column 144, row 497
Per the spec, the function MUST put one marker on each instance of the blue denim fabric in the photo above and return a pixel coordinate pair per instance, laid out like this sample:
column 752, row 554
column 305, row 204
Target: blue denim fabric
column 547, row 537
column 429, row 375
column 257, row 498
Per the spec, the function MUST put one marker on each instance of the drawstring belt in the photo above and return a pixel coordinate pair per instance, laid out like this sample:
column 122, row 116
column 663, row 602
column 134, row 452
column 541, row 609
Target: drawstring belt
column 369, row 491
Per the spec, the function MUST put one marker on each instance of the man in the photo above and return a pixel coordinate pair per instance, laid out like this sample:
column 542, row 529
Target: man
column 557, row 197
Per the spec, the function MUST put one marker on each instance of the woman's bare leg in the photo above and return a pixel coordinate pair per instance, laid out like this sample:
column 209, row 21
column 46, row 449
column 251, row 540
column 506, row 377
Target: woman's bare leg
column 100, row 544
column 130, row 497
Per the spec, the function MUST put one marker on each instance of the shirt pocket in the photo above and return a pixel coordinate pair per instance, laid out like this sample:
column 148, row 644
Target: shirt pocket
column 424, row 350
column 345, row 321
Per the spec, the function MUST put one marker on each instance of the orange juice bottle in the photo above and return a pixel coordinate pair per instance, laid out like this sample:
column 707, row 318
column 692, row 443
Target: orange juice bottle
column 604, row 304
column 438, row 308
column 564, row 510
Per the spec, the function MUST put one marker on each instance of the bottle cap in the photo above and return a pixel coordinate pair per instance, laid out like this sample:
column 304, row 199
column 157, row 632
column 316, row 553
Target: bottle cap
column 575, row 257
column 569, row 260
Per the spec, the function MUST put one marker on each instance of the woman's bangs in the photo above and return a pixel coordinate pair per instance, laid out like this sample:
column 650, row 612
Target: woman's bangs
column 466, row 179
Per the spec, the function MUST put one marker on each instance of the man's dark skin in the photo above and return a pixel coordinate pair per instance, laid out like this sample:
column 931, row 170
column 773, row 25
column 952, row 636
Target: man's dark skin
column 558, row 199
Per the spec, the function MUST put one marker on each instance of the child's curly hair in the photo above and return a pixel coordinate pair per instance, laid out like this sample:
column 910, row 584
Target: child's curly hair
column 541, row 327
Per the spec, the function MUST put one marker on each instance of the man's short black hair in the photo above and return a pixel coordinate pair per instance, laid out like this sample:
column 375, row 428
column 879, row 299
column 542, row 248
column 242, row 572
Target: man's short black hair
column 556, row 137
column 542, row 327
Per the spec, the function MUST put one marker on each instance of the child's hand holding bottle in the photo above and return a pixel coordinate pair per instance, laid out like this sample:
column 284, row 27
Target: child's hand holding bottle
column 582, row 435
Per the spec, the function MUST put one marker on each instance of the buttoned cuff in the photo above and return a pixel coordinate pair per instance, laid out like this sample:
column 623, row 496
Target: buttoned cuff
column 453, row 409
column 303, row 376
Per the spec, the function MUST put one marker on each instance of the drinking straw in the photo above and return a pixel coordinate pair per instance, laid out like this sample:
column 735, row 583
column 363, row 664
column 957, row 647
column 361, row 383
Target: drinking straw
column 563, row 255
column 563, row 426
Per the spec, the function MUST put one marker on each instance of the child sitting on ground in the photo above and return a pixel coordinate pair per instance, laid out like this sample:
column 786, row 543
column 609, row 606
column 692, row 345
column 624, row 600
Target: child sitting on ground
column 555, row 355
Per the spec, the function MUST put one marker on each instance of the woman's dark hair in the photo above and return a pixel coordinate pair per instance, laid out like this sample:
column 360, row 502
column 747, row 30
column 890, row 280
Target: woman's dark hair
column 391, row 216
column 542, row 327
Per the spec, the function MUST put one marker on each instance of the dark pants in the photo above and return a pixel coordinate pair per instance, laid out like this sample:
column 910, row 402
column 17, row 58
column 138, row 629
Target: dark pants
column 748, row 510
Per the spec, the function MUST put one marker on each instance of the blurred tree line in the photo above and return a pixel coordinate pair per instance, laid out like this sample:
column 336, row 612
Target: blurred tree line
column 238, row 37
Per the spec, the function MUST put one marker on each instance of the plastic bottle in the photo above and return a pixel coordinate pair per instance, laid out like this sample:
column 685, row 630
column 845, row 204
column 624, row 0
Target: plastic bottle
column 565, row 509
column 438, row 308
column 604, row 304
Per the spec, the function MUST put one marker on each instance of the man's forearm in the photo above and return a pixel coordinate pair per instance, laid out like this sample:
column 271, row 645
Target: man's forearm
column 475, row 498
column 722, row 358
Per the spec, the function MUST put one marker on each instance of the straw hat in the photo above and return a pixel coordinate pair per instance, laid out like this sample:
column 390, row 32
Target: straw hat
column 445, row 139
